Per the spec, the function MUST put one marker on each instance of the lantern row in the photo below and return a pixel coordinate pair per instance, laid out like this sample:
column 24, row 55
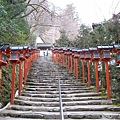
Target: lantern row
column 24, row 56
column 68, row 57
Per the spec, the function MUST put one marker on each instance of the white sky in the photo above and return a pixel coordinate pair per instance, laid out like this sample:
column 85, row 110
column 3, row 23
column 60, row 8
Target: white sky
column 91, row 11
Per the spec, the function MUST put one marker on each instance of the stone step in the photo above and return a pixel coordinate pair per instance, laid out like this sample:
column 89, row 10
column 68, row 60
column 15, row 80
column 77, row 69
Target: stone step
column 52, row 89
column 67, row 101
column 31, row 114
column 34, row 108
column 87, row 102
column 55, row 115
column 65, row 94
column 85, row 94
column 52, row 95
column 93, row 115
column 65, row 108
column 35, row 103
column 27, row 93
column 54, row 83
column 45, row 81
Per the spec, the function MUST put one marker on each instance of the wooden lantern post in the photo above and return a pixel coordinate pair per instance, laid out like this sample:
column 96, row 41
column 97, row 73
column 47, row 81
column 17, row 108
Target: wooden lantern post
column 56, row 55
column 4, row 50
column 73, row 64
column 31, row 58
column 32, row 52
column 82, row 55
column 69, row 53
column 63, row 56
column 106, row 57
column 76, row 57
column 87, row 58
column 71, row 60
column 60, row 51
column 27, row 55
column 95, row 57
column 21, row 58
column 14, row 59
column 67, row 58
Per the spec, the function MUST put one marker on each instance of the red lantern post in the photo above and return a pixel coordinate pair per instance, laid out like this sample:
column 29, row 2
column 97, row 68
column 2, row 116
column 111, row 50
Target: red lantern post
column 56, row 55
column 87, row 58
column 21, row 58
column 95, row 57
column 14, row 59
column 76, row 57
column 66, row 58
column 26, row 54
column 106, row 57
column 82, row 55
column 71, row 60
column 60, row 51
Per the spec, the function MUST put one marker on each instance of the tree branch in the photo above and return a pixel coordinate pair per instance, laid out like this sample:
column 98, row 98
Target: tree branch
column 38, row 5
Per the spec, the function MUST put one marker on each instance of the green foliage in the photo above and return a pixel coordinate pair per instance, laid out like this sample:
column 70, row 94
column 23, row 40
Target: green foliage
column 13, row 29
column 6, row 83
column 115, row 80
column 63, row 41
column 106, row 33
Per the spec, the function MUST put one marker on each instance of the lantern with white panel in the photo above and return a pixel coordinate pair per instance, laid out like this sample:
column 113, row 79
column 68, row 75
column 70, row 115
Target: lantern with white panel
column 87, row 58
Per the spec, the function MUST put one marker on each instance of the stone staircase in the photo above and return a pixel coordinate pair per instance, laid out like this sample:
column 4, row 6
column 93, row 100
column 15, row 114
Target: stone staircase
column 40, row 97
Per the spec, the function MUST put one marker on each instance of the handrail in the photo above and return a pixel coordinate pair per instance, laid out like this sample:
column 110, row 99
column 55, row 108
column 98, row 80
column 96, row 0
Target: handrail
column 60, row 100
